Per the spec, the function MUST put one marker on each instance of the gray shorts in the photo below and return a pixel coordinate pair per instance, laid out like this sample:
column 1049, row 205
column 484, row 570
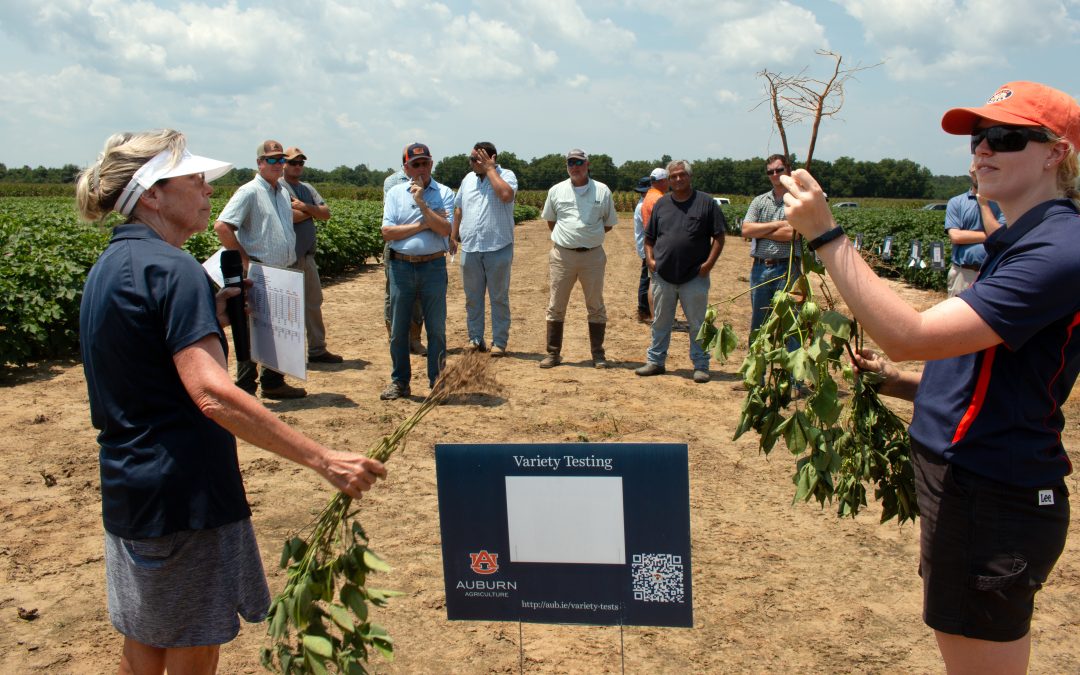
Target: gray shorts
column 186, row 589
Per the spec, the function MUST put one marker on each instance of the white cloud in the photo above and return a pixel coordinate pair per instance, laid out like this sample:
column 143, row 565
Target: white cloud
column 947, row 39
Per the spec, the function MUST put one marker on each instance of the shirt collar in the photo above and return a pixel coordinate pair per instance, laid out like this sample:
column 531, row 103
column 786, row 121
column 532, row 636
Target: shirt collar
column 134, row 231
column 1004, row 237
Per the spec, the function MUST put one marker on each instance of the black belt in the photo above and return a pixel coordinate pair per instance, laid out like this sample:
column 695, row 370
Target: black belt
column 416, row 258
column 969, row 267
column 771, row 262
column 581, row 249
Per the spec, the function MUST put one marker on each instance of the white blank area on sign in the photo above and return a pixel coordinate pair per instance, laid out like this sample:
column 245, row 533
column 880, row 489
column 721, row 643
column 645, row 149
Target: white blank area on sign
column 565, row 520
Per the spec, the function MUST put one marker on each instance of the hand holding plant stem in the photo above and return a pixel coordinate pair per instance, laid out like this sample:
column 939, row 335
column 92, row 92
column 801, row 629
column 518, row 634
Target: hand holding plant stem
column 321, row 618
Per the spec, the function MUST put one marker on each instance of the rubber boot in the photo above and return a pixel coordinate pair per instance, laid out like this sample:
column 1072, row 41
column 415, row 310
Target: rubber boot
column 554, row 345
column 415, row 346
column 596, row 344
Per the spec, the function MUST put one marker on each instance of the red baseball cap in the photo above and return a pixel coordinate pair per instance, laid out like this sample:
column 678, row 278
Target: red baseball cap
column 1022, row 104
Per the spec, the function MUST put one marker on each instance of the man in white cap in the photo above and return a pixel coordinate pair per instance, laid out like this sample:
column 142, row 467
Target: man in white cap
column 579, row 212
column 257, row 221
column 307, row 207
column 659, row 179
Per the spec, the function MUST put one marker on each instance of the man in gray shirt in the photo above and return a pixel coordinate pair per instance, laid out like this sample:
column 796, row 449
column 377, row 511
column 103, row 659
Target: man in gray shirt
column 307, row 206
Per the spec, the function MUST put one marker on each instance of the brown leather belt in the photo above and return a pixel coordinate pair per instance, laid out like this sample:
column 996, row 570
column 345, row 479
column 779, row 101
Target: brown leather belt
column 416, row 258
column 969, row 267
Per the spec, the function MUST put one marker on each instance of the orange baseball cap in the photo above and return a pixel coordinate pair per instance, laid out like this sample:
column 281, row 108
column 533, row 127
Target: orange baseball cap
column 1022, row 104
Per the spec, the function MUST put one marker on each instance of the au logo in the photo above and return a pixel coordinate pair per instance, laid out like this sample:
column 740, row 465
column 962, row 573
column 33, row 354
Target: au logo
column 484, row 562
column 1000, row 96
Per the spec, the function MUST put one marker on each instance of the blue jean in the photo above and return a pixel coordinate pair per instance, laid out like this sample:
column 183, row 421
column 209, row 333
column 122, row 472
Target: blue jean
column 765, row 281
column 410, row 282
column 643, row 289
column 694, row 296
column 488, row 271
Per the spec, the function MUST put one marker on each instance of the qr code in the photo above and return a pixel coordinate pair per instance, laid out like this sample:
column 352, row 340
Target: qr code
column 658, row 577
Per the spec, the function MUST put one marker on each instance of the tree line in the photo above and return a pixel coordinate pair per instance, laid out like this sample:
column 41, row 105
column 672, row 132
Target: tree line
column 846, row 176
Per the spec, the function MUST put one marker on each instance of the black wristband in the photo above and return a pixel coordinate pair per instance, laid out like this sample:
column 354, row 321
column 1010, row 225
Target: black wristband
column 823, row 239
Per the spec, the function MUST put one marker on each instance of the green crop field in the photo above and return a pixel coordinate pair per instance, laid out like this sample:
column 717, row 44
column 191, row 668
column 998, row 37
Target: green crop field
column 47, row 253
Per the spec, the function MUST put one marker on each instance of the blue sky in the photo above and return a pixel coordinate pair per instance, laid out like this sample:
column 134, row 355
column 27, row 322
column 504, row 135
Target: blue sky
column 352, row 82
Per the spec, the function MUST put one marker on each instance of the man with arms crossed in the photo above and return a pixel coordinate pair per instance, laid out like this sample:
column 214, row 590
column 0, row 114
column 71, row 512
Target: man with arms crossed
column 417, row 219
column 969, row 220
column 307, row 206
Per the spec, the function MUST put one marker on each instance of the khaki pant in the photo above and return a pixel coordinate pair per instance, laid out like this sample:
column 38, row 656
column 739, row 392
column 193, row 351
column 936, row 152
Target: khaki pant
column 960, row 278
column 313, row 321
column 566, row 268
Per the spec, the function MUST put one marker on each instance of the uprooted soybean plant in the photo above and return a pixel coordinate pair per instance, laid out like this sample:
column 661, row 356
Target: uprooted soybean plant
column 795, row 396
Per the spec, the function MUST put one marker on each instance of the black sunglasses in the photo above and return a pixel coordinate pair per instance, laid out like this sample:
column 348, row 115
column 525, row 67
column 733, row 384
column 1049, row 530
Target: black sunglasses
column 575, row 162
column 295, row 162
column 274, row 160
column 1007, row 139
column 774, row 172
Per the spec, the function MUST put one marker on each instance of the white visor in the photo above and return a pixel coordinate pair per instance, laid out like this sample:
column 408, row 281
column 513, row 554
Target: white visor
column 159, row 167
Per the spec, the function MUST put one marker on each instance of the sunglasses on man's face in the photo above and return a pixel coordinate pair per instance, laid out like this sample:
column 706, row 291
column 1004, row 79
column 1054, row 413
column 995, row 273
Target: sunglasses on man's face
column 775, row 172
column 295, row 162
column 575, row 162
column 1007, row 139
column 274, row 160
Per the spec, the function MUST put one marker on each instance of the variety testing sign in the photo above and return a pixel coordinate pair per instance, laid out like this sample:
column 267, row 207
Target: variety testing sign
column 589, row 533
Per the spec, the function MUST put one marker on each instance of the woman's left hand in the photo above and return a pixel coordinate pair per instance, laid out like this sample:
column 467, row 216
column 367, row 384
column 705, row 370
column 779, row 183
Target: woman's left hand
column 222, row 298
column 805, row 206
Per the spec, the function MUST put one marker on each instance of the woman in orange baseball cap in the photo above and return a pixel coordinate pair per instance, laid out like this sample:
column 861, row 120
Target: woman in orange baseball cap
column 1001, row 359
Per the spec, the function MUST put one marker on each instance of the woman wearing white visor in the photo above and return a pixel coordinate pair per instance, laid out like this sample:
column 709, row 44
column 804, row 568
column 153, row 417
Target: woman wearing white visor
column 181, row 559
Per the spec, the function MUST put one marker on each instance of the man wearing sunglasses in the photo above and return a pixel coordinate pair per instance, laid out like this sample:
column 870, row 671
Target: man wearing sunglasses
column 307, row 207
column 257, row 221
column 417, row 221
column 579, row 212
column 770, row 247
column 969, row 220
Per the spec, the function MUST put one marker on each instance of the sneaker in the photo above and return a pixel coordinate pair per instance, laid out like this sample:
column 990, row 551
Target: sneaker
column 644, row 317
column 395, row 391
column 284, row 391
column 701, row 376
column 476, row 346
column 497, row 351
column 325, row 357
column 650, row 369
column 599, row 363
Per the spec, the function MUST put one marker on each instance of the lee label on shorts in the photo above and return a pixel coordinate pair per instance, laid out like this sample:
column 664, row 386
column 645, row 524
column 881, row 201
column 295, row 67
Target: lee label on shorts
column 1046, row 497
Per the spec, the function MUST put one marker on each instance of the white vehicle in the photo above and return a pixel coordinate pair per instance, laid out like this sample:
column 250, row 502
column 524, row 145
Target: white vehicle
column 720, row 201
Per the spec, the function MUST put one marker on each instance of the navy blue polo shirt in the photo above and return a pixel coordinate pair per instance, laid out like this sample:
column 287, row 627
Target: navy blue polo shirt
column 165, row 466
column 997, row 412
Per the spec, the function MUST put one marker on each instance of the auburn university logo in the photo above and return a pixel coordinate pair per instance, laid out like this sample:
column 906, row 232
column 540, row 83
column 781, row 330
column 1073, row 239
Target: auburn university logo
column 1000, row 96
column 484, row 562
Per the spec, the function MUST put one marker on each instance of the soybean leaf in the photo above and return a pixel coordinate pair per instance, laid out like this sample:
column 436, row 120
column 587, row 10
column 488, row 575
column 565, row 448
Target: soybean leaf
column 354, row 600
column 384, row 647
column 838, row 324
column 341, row 617
column 318, row 644
column 374, row 562
column 316, row 665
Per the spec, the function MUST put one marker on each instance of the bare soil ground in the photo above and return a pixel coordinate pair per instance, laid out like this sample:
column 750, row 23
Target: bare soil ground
column 777, row 587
